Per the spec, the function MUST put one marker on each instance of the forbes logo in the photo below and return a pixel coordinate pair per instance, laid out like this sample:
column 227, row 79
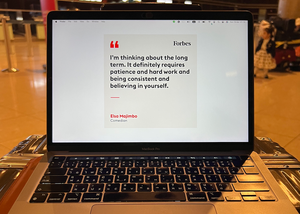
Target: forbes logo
column 182, row 43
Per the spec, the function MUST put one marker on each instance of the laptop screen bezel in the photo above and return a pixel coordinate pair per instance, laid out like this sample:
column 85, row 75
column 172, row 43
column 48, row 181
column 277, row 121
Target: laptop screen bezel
column 246, row 147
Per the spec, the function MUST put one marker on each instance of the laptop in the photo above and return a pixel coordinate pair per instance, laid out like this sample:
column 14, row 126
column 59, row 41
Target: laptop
column 150, row 112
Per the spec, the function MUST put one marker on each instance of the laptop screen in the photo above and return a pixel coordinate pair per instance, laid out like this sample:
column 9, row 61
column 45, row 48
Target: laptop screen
column 154, row 81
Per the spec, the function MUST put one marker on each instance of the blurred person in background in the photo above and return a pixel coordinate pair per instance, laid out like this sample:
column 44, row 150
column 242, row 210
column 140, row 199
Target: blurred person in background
column 265, row 51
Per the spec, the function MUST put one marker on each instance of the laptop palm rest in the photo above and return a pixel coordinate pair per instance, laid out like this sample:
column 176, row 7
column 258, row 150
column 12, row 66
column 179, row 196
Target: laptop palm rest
column 150, row 209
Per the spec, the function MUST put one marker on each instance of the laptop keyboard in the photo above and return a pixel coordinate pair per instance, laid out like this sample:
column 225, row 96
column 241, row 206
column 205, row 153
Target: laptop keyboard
column 136, row 179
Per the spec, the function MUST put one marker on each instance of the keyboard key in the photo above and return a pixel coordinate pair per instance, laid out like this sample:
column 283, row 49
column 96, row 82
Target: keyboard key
column 91, row 197
column 98, row 163
column 58, row 158
column 224, row 163
column 167, row 178
column 96, row 188
column 56, row 164
column 168, row 163
column 141, row 196
column 79, row 158
column 197, row 163
column 73, row 197
column 119, row 171
column 55, row 197
column 54, row 188
column 196, row 196
column 91, row 179
column 38, row 198
column 191, row 170
column 104, row 171
column 69, row 164
column 141, row 163
column 54, row 179
column 106, row 179
column 152, row 178
column 175, row 187
column 221, row 170
column 215, row 196
column 208, row 187
column 154, row 163
column 197, row 178
column 177, row 170
column 228, row 178
column 252, row 187
column 182, row 178
column 89, row 171
column 137, row 178
column 112, row 163
column 181, row 163
column 267, row 198
column 112, row 188
column 251, row 170
column 144, row 187
column 223, row 187
column 148, row 171
column 235, row 170
column 163, row 170
column 160, row 187
column 127, row 163
column 75, row 179
column 134, row 170
column 250, row 198
column 56, row 171
column 233, row 198
column 121, row 178
column 74, row 171
column 210, row 163
column 128, row 188
column 192, row 187
column 250, row 178
column 248, row 194
column 213, row 178
column 80, row 188
column 85, row 163
column 206, row 170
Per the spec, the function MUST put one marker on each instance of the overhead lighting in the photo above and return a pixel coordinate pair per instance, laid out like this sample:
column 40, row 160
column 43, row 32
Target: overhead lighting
column 187, row 2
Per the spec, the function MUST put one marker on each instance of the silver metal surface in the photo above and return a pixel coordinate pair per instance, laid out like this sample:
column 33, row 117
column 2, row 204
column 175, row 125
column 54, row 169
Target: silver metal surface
column 13, row 163
column 289, row 182
column 7, row 177
column 284, row 167
column 34, row 144
column 7, row 48
column 28, row 39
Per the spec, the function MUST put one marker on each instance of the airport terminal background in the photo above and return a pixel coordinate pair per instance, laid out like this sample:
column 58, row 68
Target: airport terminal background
column 23, row 94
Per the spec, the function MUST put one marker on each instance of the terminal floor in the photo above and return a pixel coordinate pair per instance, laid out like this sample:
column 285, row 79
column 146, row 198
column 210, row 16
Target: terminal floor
column 23, row 101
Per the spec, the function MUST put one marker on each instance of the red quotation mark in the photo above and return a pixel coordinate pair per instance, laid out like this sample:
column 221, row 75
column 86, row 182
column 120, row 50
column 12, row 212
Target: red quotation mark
column 112, row 45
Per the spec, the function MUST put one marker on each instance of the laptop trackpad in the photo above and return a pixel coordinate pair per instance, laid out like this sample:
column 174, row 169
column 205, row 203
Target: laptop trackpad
column 150, row 209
